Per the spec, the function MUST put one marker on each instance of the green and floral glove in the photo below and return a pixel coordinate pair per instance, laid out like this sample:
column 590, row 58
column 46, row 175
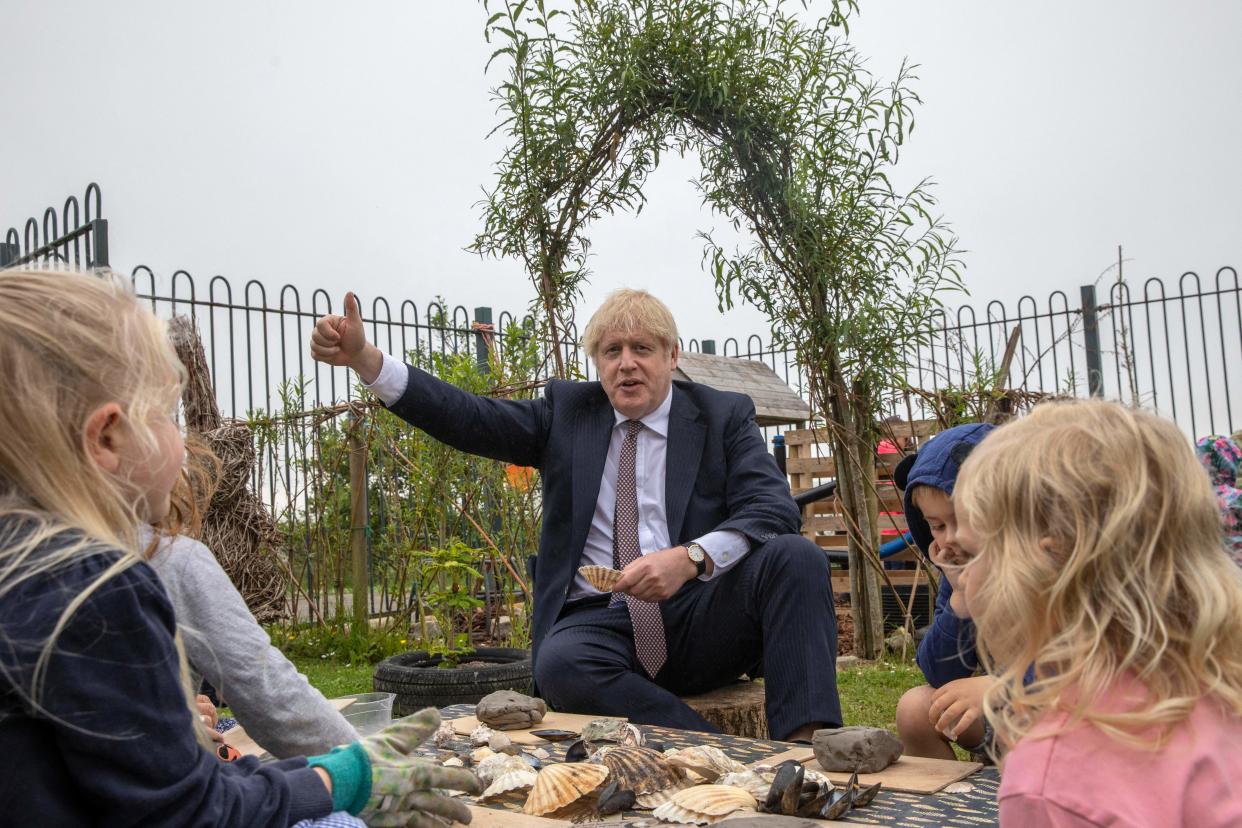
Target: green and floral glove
column 379, row 780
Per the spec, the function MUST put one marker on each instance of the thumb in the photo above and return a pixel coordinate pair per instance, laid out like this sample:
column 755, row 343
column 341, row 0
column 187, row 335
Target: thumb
column 352, row 313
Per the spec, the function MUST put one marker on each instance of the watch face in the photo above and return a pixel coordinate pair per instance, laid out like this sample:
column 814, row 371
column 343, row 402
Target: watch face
column 695, row 552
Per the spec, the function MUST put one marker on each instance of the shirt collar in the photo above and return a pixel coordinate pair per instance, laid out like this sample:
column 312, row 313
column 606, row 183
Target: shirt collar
column 657, row 420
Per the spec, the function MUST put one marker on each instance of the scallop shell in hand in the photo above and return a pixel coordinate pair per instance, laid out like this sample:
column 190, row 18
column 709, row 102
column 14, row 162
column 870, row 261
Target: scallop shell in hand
column 559, row 785
column 704, row 804
column 600, row 577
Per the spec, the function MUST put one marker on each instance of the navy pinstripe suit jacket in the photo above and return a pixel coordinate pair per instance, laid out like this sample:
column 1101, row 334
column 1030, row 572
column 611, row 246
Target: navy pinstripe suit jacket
column 719, row 473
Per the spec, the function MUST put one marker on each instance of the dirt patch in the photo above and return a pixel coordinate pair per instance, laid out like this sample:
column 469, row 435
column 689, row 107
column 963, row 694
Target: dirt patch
column 845, row 628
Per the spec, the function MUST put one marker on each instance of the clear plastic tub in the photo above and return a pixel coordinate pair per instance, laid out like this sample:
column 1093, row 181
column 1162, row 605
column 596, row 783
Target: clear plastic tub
column 370, row 713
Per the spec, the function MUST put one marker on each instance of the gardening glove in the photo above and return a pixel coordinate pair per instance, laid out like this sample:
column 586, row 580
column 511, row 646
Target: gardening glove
column 379, row 780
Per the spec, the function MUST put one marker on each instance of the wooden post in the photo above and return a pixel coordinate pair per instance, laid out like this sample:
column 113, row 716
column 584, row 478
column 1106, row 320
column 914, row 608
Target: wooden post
column 359, row 519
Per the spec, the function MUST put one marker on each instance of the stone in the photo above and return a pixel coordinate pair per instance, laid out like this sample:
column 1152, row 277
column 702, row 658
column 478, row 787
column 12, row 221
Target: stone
column 510, row 710
column 850, row 749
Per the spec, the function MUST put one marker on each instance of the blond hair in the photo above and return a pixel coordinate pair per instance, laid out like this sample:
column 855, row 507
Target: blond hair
column 630, row 311
column 1101, row 563
column 69, row 343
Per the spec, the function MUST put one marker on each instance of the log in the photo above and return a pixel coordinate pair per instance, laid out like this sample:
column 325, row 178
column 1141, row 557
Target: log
column 736, row 709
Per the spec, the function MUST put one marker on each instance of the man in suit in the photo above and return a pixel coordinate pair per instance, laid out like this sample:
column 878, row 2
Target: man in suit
column 669, row 482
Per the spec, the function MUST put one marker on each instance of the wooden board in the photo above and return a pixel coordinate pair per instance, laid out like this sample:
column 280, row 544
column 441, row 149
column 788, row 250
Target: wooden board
column 552, row 721
column 482, row 817
column 911, row 774
column 341, row 704
column 238, row 738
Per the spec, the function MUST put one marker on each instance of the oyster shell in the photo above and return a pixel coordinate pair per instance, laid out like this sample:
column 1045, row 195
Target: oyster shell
column 600, row 577
column 481, row 735
column 444, row 735
column 704, row 804
column 753, row 782
column 496, row 765
column 598, row 732
column 559, row 785
column 708, row 762
column 514, row 780
column 638, row 769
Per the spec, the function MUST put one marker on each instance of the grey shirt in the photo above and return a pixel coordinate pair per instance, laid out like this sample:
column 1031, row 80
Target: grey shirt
column 270, row 698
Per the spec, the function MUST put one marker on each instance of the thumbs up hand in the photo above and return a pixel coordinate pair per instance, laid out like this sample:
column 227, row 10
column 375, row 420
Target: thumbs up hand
column 342, row 340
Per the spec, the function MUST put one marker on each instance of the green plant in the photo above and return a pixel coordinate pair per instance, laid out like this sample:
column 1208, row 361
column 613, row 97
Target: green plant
column 449, row 578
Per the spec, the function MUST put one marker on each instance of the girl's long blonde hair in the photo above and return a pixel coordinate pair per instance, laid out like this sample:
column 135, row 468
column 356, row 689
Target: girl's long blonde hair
column 1101, row 562
column 70, row 343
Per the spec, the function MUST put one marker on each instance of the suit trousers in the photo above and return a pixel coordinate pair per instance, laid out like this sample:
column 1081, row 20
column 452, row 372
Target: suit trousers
column 772, row 609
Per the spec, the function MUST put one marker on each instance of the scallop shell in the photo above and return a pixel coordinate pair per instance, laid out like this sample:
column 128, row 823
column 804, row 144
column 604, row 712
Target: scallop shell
column 497, row 765
column 558, row 785
column 638, row 769
column 704, row 804
column 708, row 762
column 647, row 802
column 714, row 800
column 753, row 782
column 514, row 780
column 600, row 577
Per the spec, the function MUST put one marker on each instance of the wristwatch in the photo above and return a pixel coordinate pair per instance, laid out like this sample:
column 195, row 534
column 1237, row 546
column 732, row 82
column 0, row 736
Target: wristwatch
column 698, row 556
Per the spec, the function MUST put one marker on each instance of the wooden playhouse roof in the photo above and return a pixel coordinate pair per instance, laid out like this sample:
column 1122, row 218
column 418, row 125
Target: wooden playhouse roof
column 775, row 402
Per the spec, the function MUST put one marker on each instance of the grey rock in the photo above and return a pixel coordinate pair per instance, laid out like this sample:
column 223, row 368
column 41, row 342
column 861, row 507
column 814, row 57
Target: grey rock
column 849, row 749
column 508, row 710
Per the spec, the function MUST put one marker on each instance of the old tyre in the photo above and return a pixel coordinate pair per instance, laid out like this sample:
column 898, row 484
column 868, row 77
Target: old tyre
column 418, row 681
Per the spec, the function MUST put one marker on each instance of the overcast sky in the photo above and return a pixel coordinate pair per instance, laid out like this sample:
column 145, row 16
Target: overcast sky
column 338, row 145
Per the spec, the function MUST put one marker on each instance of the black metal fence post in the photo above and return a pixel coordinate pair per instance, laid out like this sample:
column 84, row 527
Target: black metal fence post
column 1091, row 340
column 708, row 346
column 97, row 244
column 8, row 253
column 482, row 347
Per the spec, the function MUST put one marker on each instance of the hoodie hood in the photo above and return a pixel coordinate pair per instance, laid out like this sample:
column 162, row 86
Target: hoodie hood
column 937, row 465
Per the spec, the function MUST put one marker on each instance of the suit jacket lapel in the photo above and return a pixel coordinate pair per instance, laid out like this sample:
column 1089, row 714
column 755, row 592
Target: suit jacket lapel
column 592, row 432
column 686, row 433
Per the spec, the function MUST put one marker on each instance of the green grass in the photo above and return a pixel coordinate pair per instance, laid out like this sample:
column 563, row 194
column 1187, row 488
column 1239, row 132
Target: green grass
column 869, row 692
column 335, row 678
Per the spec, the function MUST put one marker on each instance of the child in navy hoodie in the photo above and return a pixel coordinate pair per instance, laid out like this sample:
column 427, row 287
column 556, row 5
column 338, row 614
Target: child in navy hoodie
column 949, row 707
column 96, row 716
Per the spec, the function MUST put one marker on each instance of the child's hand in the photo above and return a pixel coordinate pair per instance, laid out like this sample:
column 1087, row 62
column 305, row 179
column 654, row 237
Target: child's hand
column 206, row 711
column 957, row 705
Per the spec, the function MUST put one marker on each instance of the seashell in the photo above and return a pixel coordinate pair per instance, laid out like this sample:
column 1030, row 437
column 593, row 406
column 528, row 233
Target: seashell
column 597, row 732
column 637, row 769
column 559, row 785
column 754, row 783
column 651, row 801
column 499, row 741
column 455, row 762
column 497, row 765
column 714, row 800
column 444, row 735
column 514, row 780
column 600, row 577
column 958, row 788
column 540, row 753
column 708, row 762
column 481, row 735
column 479, row 754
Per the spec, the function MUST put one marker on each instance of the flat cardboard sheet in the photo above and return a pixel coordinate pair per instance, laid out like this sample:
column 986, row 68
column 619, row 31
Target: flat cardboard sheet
column 911, row 774
column 552, row 721
column 481, row 817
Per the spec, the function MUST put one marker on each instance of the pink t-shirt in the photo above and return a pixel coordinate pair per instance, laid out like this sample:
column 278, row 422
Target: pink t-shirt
column 1085, row 777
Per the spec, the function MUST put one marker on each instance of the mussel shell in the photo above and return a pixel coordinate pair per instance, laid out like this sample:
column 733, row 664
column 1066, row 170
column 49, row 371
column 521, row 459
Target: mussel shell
column 614, row 799
column 788, row 776
column 863, row 797
column 554, row 735
column 838, row 804
column 577, row 752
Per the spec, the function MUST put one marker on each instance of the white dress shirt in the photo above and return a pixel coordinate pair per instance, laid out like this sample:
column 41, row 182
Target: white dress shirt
column 725, row 547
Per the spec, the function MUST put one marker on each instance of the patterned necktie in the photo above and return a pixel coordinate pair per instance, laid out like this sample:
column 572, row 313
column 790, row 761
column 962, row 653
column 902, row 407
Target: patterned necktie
column 645, row 616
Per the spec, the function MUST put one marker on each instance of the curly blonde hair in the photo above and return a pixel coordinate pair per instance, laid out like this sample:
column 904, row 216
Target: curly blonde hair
column 1101, row 562
column 630, row 311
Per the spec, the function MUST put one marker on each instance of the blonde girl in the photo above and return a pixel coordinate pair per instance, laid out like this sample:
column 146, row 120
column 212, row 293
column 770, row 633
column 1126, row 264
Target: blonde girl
column 1100, row 562
column 94, row 717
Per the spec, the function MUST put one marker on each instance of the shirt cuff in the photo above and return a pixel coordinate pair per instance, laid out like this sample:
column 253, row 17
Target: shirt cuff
column 390, row 384
column 725, row 548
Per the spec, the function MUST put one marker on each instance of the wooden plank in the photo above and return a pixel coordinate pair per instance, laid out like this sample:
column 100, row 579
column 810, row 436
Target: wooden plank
column 909, row 774
column 836, row 522
column 484, row 817
column 807, row 436
column 552, row 721
column 238, row 738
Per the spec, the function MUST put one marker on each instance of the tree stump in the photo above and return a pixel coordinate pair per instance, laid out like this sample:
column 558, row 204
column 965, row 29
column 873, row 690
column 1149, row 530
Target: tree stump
column 736, row 709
